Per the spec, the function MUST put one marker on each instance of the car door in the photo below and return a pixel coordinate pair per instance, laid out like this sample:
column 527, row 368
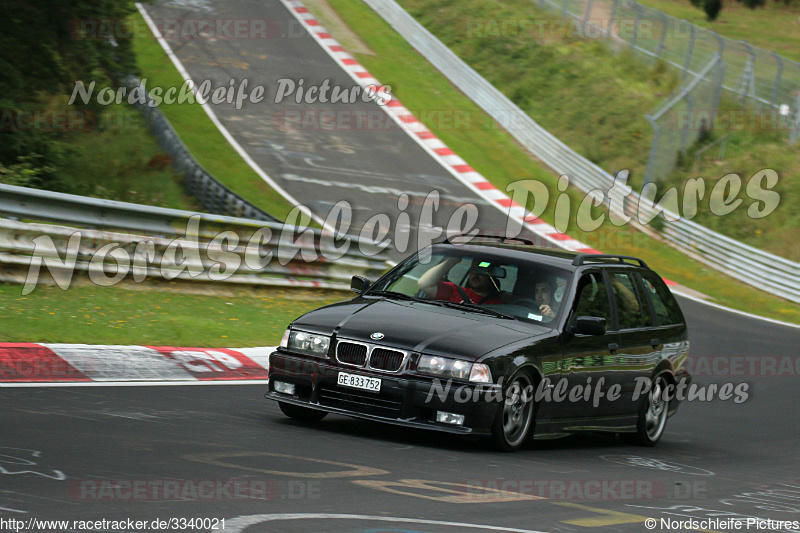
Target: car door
column 669, row 325
column 588, row 358
column 639, row 345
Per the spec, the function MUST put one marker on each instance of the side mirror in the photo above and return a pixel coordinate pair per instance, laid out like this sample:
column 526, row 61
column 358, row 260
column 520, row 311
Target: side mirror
column 358, row 284
column 590, row 325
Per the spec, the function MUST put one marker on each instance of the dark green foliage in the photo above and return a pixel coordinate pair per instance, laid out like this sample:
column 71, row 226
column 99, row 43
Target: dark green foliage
column 43, row 51
column 752, row 4
column 712, row 8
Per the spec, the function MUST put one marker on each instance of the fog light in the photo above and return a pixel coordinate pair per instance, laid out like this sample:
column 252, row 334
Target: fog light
column 449, row 418
column 284, row 388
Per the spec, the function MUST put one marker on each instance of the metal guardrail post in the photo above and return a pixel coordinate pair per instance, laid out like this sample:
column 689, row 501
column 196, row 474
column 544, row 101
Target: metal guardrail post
column 638, row 8
column 793, row 136
column 587, row 13
column 665, row 22
column 745, row 86
column 719, row 72
column 612, row 17
column 651, row 160
column 689, row 51
column 685, row 134
column 564, row 8
column 773, row 99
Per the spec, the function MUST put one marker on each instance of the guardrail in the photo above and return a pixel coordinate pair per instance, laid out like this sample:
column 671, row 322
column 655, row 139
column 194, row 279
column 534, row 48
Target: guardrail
column 171, row 244
column 760, row 269
column 212, row 195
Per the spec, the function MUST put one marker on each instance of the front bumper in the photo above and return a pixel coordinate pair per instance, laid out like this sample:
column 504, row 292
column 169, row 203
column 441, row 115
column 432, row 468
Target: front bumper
column 405, row 400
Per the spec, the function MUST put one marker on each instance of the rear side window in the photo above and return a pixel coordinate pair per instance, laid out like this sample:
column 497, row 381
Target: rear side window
column 632, row 312
column 664, row 305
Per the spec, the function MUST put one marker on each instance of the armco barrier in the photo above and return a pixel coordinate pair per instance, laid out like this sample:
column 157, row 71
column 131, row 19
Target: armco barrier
column 198, row 182
column 212, row 248
column 760, row 269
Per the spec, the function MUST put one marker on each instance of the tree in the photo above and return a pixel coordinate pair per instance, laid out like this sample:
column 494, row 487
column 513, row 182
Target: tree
column 43, row 52
column 712, row 8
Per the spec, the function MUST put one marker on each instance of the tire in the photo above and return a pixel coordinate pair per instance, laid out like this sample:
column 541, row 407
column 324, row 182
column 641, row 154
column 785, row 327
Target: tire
column 513, row 421
column 303, row 414
column 652, row 416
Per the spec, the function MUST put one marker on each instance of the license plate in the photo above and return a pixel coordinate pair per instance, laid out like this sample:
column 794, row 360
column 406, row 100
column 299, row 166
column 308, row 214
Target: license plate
column 359, row 382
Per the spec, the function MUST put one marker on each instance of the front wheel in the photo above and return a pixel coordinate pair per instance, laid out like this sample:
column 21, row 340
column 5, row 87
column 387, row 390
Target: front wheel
column 304, row 414
column 514, row 418
column 652, row 418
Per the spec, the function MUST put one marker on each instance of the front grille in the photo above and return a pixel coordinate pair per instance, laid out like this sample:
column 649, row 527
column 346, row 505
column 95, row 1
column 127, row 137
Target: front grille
column 361, row 354
column 360, row 402
column 351, row 354
column 383, row 359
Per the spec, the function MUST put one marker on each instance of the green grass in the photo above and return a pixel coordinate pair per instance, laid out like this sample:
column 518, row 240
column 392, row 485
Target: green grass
column 123, row 162
column 202, row 138
column 109, row 154
column 775, row 26
column 595, row 100
column 154, row 314
column 495, row 154
column 747, row 152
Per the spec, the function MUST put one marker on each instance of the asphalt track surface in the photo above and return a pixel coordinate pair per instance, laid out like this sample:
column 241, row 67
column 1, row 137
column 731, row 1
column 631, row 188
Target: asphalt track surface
column 145, row 453
column 77, row 453
column 320, row 153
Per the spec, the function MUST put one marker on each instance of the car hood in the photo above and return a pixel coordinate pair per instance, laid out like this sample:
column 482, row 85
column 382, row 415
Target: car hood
column 418, row 326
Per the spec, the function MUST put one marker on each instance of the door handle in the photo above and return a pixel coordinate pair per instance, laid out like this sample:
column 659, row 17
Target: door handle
column 613, row 347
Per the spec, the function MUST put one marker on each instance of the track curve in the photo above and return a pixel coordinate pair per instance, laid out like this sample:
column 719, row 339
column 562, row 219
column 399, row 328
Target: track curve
column 223, row 452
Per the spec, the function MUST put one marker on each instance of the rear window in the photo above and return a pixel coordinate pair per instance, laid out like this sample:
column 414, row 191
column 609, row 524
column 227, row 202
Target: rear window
column 664, row 304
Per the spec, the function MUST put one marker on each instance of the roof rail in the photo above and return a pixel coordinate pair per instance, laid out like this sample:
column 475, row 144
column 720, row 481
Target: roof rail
column 498, row 238
column 582, row 259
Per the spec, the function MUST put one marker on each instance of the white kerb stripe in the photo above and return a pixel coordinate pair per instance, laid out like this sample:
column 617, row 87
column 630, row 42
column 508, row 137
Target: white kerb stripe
column 121, row 363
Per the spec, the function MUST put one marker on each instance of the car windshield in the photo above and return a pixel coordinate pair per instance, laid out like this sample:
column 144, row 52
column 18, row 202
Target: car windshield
column 482, row 282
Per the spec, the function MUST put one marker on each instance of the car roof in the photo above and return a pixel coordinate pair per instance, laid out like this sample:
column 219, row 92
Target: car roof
column 565, row 259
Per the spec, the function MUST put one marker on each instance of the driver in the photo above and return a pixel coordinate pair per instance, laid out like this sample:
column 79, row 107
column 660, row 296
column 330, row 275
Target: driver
column 543, row 294
column 481, row 289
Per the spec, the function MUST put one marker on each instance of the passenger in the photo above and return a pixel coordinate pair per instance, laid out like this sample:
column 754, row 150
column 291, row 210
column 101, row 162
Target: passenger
column 481, row 289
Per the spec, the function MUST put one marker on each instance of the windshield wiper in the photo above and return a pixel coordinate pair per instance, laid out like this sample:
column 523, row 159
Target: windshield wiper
column 407, row 297
column 441, row 303
column 393, row 294
column 480, row 309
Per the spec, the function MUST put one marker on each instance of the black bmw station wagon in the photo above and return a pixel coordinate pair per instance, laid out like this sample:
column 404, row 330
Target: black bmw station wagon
column 493, row 338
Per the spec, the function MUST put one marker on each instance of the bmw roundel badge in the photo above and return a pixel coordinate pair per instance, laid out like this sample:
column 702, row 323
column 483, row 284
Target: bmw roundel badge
column 376, row 336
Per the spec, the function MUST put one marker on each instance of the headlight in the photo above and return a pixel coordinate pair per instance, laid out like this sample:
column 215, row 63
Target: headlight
column 309, row 343
column 453, row 368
